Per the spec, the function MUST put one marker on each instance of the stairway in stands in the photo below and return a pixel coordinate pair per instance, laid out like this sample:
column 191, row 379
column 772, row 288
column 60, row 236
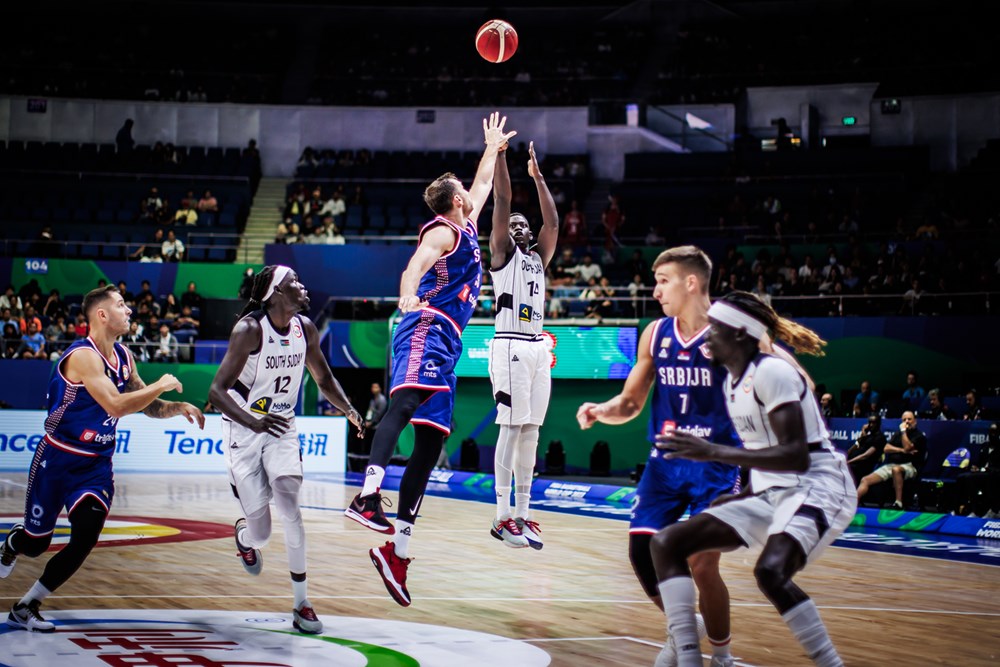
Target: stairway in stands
column 263, row 220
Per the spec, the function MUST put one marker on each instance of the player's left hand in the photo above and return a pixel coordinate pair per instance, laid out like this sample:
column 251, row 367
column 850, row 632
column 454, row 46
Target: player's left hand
column 193, row 414
column 355, row 418
column 493, row 131
column 685, row 446
column 533, row 169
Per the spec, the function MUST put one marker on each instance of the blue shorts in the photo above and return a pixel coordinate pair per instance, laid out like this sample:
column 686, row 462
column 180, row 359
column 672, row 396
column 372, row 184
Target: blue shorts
column 425, row 350
column 61, row 479
column 669, row 487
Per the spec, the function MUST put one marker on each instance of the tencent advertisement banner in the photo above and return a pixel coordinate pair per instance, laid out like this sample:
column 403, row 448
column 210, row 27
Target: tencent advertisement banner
column 173, row 445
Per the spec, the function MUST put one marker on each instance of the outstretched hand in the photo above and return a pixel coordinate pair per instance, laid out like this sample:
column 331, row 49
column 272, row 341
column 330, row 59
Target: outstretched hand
column 493, row 131
column 192, row 414
column 533, row 169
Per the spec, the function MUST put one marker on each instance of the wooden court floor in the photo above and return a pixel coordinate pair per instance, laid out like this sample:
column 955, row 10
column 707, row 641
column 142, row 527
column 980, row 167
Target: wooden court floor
column 577, row 599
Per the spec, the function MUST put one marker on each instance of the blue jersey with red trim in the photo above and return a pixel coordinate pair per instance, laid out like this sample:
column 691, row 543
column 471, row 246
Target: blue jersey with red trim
column 76, row 422
column 688, row 389
column 451, row 286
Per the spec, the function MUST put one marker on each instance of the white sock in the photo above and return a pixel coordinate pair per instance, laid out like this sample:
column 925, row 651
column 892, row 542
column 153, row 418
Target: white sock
column 677, row 594
column 401, row 540
column 373, row 480
column 522, row 497
column 37, row 592
column 503, row 467
column 299, row 591
column 524, row 468
column 804, row 622
column 503, row 502
column 720, row 647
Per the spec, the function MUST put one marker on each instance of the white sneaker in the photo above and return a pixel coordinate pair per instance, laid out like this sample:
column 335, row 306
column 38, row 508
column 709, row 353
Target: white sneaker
column 667, row 656
column 506, row 531
column 304, row 619
column 7, row 555
column 720, row 661
column 26, row 617
column 531, row 531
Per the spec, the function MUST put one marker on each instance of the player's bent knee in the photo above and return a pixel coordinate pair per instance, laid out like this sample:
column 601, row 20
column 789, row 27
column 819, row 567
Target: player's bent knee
column 32, row 547
column 705, row 566
column 769, row 578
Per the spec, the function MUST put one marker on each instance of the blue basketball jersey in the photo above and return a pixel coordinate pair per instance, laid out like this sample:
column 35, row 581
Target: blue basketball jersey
column 688, row 389
column 76, row 422
column 451, row 286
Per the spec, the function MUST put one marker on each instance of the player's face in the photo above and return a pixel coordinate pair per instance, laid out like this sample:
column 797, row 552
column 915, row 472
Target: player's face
column 670, row 289
column 519, row 231
column 464, row 195
column 720, row 340
column 117, row 314
column 295, row 292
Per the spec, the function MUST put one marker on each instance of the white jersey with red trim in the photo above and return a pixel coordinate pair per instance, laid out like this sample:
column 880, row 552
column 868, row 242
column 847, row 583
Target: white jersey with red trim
column 270, row 380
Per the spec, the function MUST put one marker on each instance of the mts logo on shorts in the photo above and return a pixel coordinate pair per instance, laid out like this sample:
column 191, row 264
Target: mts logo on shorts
column 261, row 406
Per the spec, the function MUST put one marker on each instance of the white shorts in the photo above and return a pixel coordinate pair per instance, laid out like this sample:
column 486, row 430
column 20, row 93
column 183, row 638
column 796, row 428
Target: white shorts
column 814, row 512
column 256, row 459
column 521, row 373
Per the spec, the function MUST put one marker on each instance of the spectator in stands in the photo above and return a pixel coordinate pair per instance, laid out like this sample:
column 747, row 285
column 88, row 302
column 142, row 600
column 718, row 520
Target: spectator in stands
column 80, row 328
column 208, row 207
column 141, row 296
column 904, row 459
column 246, row 284
column 151, row 251
column 866, row 402
column 191, row 297
column 914, row 394
column 11, row 340
column 167, row 346
column 29, row 292
column 866, row 451
column 55, row 334
column 151, row 331
column 136, row 342
column 556, row 309
column 128, row 297
column 53, row 305
column 171, row 309
column 937, row 409
column 151, row 207
column 637, row 290
column 32, row 343
column 10, row 300
column 187, row 320
column 973, row 408
column 574, row 227
column 586, row 271
column 45, row 245
column 335, row 206
column 186, row 215
column 983, row 478
column 613, row 219
column 30, row 317
column 807, row 272
column 173, row 248
column 760, row 290
column 124, row 140
column 600, row 296
column 828, row 407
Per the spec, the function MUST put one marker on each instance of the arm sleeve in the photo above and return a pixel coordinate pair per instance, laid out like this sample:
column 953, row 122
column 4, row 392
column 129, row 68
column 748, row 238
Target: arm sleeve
column 777, row 383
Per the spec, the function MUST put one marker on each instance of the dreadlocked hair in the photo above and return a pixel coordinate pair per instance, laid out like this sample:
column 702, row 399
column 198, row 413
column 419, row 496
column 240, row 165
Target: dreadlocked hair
column 802, row 339
column 260, row 284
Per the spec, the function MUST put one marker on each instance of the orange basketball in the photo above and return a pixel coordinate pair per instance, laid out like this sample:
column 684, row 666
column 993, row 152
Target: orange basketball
column 496, row 41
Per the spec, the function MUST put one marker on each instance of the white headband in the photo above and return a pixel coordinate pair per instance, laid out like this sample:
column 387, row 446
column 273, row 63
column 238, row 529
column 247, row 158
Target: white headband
column 279, row 274
column 736, row 318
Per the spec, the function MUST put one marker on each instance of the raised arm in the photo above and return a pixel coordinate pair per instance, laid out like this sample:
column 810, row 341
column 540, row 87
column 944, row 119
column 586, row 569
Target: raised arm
column 628, row 404
column 501, row 244
column 548, row 236
column 246, row 338
column 435, row 242
column 161, row 409
column 86, row 367
column 320, row 370
column 495, row 140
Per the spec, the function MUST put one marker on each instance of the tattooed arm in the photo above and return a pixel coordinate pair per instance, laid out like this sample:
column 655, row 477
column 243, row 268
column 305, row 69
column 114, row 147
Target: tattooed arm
column 161, row 409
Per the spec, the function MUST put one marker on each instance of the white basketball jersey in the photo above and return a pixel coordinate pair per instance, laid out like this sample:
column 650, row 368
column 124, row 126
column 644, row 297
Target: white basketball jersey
column 767, row 383
column 272, row 376
column 519, row 287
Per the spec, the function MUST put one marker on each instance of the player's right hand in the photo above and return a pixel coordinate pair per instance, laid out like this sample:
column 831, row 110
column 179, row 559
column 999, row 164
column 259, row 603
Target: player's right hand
column 585, row 416
column 170, row 383
column 271, row 424
column 410, row 304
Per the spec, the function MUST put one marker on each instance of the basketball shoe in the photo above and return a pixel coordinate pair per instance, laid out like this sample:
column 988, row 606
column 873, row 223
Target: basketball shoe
column 720, row 661
column 7, row 555
column 304, row 620
column 252, row 559
column 507, row 531
column 668, row 654
column 368, row 512
column 531, row 531
column 26, row 617
column 393, row 571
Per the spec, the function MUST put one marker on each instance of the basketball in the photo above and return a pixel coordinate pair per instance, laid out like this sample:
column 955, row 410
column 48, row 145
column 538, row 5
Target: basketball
column 496, row 41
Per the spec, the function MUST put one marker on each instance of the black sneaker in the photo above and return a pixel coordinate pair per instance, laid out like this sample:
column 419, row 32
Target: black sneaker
column 7, row 555
column 368, row 512
column 26, row 617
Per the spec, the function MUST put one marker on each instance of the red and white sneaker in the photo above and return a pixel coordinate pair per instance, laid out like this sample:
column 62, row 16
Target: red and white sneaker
column 393, row 571
column 304, row 620
column 531, row 531
column 508, row 532
column 368, row 512
column 251, row 559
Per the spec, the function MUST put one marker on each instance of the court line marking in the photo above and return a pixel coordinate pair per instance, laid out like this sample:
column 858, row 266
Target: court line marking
column 901, row 610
